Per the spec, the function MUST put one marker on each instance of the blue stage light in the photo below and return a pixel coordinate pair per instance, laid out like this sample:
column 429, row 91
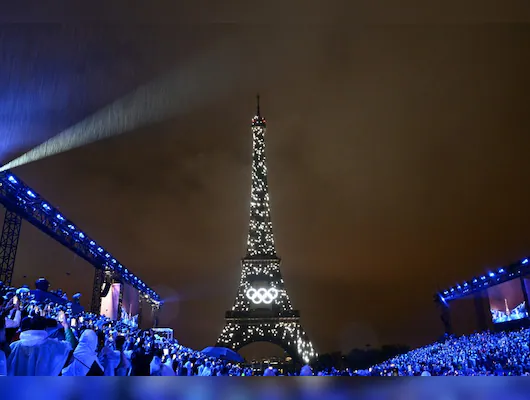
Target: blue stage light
column 492, row 274
column 483, row 278
column 465, row 284
column 525, row 261
column 42, row 214
column 475, row 280
column 501, row 271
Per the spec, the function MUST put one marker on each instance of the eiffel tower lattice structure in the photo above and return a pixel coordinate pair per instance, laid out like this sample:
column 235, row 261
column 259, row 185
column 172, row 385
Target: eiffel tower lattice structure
column 262, row 310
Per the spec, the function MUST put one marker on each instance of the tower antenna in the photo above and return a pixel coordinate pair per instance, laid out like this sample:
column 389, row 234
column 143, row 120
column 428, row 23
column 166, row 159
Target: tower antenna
column 257, row 103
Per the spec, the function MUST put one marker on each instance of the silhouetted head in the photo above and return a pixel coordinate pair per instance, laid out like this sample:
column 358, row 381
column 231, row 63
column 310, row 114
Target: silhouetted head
column 120, row 342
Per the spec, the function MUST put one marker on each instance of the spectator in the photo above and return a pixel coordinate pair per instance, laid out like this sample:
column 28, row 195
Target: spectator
column 108, row 357
column 158, row 368
column 35, row 354
column 124, row 366
column 269, row 372
column 306, row 371
column 4, row 349
column 85, row 359
column 206, row 369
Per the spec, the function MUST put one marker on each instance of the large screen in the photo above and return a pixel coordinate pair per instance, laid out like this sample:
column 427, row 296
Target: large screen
column 130, row 300
column 507, row 302
column 109, row 303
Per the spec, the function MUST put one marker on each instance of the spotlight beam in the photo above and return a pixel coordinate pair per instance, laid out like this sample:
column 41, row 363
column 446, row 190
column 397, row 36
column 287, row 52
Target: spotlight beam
column 219, row 71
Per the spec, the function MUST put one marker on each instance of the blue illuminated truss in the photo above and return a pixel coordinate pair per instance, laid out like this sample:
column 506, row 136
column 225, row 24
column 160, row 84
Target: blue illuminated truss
column 27, row 203
column 492, row 278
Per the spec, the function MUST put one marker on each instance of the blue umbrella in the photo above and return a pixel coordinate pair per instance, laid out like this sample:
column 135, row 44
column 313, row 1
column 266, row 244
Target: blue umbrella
column 224, row 353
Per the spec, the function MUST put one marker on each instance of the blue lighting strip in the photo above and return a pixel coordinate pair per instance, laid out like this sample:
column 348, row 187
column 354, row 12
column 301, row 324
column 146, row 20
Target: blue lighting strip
column 492, row 278
column 23, row 200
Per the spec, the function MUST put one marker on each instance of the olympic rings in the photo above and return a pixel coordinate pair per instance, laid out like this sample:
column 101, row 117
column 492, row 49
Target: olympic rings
column 262, row 295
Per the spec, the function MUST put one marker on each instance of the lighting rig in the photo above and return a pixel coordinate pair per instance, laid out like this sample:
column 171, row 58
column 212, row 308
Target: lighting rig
column 490, row 279
column 21, row 201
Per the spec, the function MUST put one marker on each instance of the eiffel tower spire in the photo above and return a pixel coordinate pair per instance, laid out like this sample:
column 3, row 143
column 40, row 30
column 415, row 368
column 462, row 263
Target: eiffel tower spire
column 260, row 243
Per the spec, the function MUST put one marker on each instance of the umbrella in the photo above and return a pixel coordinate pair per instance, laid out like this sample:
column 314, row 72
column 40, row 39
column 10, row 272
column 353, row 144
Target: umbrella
column 223, row 352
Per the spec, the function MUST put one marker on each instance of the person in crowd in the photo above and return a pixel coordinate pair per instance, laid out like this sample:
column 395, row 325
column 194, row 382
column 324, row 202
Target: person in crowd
column 124, row 365
column 4, row 349
column 426, row 372
column 188, row 365
column 206, row 369
column 159, row 368
column 12, row 316
column 108, row 357
column 141, row 358
column 35, row 354
column 85, row 357
column 306, row 371
column 269, row 372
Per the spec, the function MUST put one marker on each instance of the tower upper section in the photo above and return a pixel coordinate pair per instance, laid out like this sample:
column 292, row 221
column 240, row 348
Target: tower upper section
column 258, row 120
column 260, row 243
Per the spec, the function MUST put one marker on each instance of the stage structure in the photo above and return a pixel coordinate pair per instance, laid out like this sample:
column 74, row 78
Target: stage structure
column 517, row 275
column 262, row 310
column 22, row 202
column 9, row 245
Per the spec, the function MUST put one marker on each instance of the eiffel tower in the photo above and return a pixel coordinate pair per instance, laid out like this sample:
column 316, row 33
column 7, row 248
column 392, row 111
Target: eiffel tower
column 262, row 310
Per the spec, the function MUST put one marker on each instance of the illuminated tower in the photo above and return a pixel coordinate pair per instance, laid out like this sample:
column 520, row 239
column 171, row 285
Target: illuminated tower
column 262, row 310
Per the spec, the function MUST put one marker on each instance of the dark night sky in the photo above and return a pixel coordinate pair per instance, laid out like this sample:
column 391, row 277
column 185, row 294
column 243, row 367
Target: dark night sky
column 398, row 154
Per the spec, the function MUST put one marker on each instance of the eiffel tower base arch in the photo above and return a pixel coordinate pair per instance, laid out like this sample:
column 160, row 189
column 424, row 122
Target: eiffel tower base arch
column 286, row 333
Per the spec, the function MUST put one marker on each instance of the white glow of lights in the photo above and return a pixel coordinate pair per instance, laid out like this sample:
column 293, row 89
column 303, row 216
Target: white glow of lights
column 260, row 240
column 262, row 264
column 236, row 336
column 262, row 295
column 253, row 270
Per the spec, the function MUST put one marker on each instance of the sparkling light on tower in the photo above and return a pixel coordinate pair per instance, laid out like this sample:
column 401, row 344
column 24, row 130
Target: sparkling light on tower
column 262, row 310
column 260, row 238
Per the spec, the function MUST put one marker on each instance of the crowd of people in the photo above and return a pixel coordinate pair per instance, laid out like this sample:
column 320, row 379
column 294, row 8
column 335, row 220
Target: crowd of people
column 46, row 338
column 479, row 354
column 50, row 339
